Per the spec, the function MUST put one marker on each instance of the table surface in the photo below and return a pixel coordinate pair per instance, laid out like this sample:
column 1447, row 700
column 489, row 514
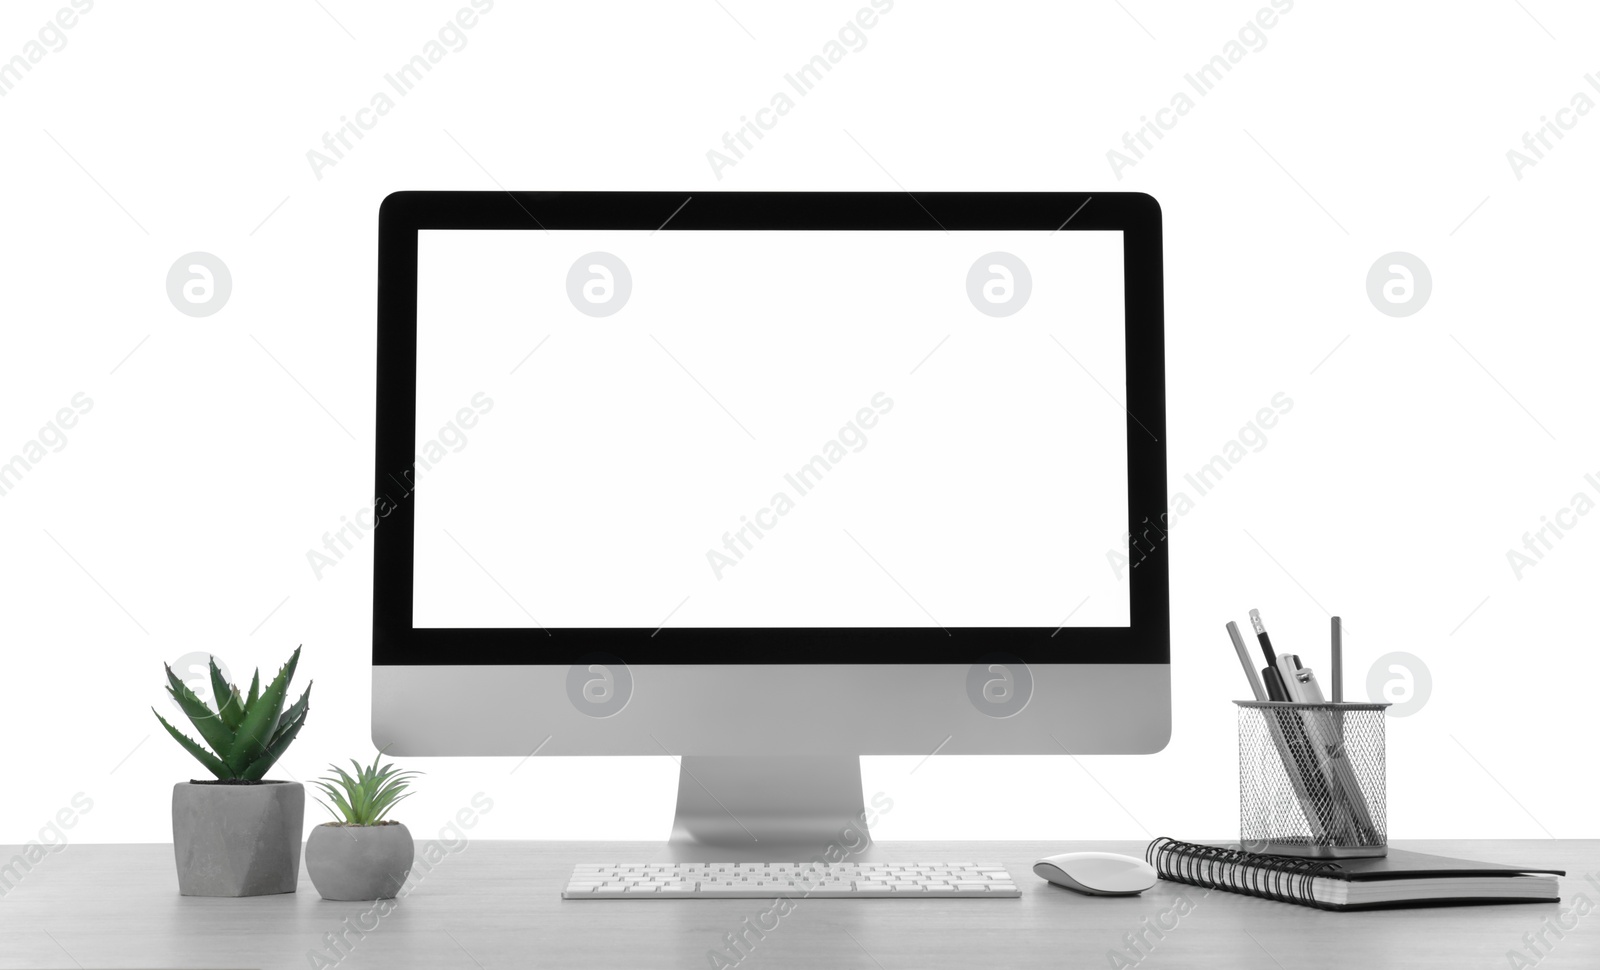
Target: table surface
column 497, row 904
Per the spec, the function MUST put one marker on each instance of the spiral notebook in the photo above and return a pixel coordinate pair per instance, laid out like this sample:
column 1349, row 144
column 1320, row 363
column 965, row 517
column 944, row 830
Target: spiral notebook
column 1399, row 879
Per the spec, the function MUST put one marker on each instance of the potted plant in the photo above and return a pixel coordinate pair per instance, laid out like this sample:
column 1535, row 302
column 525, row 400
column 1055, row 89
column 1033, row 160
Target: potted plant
column 238, row 835
column 361, row 855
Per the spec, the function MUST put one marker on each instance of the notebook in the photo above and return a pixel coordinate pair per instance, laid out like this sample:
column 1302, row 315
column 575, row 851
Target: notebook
column 1399, row 879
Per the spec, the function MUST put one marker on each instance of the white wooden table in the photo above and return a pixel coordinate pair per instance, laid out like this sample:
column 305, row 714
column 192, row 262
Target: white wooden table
column 497, row 905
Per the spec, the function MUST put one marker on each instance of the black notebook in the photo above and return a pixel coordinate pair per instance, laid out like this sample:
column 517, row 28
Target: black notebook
column 1399, row 879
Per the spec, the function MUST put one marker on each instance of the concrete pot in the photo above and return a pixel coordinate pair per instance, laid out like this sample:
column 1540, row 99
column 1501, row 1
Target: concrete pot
column 359, row 862
column 237, row 840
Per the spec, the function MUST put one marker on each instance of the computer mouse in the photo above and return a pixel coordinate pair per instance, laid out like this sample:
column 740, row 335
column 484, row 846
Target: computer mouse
column 1097, row 873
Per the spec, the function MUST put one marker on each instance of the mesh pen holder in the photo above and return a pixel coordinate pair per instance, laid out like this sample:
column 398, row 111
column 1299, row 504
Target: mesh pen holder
column 1311, row 779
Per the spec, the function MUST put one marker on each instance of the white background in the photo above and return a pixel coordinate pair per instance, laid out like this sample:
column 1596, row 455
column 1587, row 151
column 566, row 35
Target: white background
column 620, row 450
column 1418, row 450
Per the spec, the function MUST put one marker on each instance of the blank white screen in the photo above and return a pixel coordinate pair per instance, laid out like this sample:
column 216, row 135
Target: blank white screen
column 607, row 483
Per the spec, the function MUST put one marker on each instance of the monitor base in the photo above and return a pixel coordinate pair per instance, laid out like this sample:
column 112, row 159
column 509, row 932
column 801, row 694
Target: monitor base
column 770, row 809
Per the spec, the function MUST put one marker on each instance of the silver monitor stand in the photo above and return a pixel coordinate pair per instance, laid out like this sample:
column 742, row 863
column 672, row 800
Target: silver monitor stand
column 786, row 808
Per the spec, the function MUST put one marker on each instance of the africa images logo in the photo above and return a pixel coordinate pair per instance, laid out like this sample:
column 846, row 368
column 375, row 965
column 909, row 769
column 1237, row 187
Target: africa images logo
column 599, row 686
column 1000, row 686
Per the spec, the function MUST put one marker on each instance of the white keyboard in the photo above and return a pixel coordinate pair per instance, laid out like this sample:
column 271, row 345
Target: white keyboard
column 796, row 880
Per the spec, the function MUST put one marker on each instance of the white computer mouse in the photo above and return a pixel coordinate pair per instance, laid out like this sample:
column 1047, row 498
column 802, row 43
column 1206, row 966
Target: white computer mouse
column 1097, row 873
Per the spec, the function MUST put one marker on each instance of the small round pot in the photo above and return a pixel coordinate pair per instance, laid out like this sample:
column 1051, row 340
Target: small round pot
column 358, row 862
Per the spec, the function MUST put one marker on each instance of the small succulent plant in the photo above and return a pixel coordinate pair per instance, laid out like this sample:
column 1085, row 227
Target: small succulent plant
column 367, row 797
column 247, row 734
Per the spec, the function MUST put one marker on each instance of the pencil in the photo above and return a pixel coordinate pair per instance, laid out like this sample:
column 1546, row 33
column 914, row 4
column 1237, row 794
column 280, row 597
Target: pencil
column 1250, row 674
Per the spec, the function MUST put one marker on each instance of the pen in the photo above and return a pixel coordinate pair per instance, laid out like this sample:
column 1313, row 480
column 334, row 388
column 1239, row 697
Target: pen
column 1250, row 675
column 1347, row 779
column 1338, row 661
column 1274, row 681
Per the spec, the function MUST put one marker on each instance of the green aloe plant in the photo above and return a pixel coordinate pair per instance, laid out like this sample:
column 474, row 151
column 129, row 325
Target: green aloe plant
column 247, row 734
column 367, row 797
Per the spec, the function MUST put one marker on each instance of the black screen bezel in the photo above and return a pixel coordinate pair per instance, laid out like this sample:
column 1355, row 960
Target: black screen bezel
column 1138, row 216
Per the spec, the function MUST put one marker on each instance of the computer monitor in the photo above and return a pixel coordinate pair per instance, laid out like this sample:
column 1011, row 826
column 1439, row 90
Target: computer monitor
column 767, row 482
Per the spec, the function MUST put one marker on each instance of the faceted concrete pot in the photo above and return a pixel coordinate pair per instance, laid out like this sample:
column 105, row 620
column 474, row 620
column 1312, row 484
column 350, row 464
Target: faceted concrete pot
column 359, row 862
column 237, row 840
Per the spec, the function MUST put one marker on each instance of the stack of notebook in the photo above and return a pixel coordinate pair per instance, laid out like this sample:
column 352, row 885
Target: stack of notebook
column 1399, row 879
